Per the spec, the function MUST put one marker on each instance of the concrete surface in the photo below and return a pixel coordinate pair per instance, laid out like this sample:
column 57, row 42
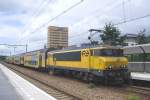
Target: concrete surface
column 7, row 91
column 140, row 76
column 14, row 87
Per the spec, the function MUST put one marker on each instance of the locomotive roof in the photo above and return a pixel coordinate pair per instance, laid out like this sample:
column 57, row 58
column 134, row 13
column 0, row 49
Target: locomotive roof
column 80, row 48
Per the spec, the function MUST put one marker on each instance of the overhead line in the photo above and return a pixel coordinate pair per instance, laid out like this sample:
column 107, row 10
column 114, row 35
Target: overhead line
column 60, row 15
column 126, row 21
column 123, row 10
column 63, row 12
column 121, row 3
column 79, row 34
column 95, row 12
column 35, row 14
column 133, row 19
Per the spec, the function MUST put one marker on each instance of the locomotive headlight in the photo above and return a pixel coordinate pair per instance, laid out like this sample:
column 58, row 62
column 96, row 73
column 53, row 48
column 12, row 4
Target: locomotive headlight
column 123, row 66
column 110, row 67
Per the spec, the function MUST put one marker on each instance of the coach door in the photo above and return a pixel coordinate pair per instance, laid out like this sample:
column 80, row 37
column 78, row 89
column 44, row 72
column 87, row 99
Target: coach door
column 40, row 60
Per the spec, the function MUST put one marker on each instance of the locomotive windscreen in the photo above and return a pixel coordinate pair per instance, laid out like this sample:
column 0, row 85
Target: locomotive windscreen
column 108, row 52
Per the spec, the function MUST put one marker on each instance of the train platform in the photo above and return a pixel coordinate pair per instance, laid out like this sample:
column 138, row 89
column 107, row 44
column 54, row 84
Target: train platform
column 14, row 87
column 140, row 76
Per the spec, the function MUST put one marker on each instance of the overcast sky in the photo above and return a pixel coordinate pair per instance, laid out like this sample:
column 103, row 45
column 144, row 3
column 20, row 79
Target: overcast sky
column 20, row 18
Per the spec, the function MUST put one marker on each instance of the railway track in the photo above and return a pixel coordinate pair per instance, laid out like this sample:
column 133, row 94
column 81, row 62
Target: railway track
column 55, row 92
column 135, row 90
column 140, row 90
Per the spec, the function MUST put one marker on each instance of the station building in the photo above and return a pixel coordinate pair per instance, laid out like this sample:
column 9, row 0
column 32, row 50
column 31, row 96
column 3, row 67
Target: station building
column 130, row 39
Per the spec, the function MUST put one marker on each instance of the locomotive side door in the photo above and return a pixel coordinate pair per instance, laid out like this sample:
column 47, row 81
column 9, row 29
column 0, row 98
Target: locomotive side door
column 86, row 61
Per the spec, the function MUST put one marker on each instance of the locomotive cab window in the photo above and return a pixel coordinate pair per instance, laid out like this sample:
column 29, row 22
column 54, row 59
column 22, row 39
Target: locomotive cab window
column 108, row 52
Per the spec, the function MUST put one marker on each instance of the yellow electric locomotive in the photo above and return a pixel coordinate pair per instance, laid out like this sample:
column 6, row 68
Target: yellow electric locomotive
column 100, row 63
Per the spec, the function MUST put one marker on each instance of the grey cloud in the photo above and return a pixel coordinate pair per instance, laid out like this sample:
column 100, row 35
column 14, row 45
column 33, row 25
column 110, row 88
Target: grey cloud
column 17, row 6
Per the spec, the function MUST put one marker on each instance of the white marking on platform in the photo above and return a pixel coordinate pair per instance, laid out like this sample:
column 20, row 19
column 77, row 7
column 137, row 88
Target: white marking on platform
column 27, row 90
column 140, row 76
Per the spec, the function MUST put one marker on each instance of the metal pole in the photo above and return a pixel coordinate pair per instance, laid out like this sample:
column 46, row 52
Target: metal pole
column 9, row 50
column 26, row 47
column 14, row 49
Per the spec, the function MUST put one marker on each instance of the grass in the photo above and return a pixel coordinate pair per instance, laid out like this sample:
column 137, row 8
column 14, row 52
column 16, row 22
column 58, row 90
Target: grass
column 133, row 97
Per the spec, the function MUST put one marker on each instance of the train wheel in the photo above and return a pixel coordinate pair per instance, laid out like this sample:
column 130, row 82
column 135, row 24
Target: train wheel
column 128, row 81
column 105, row 81
column 88, row 77
column 78, row 76
column 46, row 70
column 50, row 72
column 91, row 78
column 85, row 77
column 127, row 78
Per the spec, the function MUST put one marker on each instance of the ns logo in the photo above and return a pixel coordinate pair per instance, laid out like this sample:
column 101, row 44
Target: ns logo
column 85, row 53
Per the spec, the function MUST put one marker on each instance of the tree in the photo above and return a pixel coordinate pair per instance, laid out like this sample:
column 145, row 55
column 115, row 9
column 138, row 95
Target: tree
column 121, row 41
column 141, row 38
column 111, row 35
